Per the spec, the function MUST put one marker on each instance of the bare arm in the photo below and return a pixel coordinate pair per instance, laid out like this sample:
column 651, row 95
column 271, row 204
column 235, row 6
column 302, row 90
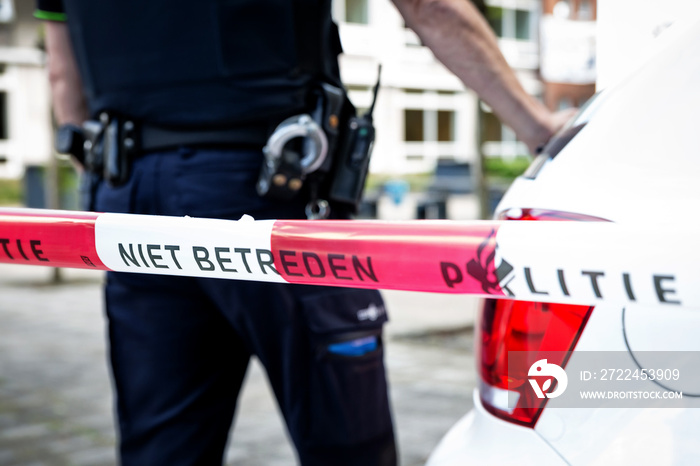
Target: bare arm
column 66, row 86
column 463, row 41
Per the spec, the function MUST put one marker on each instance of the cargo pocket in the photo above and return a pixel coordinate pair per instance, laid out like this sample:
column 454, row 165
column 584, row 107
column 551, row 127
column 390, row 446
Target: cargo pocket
column 347, row 398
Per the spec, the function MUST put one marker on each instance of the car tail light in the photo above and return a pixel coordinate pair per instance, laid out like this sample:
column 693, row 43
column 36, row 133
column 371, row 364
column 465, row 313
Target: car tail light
column 507, row 325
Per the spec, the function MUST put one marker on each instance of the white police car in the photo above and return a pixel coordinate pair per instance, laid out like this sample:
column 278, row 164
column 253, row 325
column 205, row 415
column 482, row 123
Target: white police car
column 631, row 156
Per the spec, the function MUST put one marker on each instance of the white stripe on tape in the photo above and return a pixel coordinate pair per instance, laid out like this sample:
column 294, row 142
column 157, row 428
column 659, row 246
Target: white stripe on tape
column 588, row 263
column 187, row 246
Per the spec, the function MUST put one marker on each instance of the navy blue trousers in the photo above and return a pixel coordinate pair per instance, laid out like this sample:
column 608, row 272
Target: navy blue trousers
column 180, row 347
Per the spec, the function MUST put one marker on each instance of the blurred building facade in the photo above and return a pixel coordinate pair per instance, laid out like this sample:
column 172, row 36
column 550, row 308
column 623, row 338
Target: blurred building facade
column 423, row 113
column 25, row 112
column 568, row 52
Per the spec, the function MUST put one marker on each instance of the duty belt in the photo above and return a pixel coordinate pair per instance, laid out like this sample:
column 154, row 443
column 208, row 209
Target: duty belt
column 107, row 146
column 157, row 138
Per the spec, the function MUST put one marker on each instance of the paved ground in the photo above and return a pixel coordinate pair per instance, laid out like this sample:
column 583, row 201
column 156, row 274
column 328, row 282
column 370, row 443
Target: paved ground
column 55, row 396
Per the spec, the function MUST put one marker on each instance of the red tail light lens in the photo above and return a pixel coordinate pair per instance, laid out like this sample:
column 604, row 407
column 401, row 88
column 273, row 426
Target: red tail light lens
column 507, row 325
column 522, row 326
column 549, row 215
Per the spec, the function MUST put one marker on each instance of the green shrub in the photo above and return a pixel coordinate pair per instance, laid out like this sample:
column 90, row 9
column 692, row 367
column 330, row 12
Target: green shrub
column 505, row 168
column 11, row 192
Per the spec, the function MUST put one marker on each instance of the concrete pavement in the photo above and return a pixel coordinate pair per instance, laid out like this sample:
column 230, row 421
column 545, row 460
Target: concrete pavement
column 55, row 395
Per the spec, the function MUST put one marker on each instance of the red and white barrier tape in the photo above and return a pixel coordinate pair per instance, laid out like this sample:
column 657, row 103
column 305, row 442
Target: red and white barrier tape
column 568, row 262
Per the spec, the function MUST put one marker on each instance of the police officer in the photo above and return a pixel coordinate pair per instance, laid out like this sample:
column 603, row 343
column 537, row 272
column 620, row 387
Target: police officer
column 180, row 98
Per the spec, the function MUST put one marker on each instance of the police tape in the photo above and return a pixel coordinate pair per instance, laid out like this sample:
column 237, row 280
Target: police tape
column 567, row 262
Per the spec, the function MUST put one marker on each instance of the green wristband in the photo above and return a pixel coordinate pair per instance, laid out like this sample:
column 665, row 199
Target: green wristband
column 49, row 15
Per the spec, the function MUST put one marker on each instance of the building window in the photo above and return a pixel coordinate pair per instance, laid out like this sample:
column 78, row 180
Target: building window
column 429, row 125
column 490, row 127
column 428, row 116
column 510, row 23
column 522, row 24
column 357, row 11
column 495, row 17
column 3, row 116
column 498, row 140
column 585, row 10
column 356, row 88
column 446, row 124
column 413, row 129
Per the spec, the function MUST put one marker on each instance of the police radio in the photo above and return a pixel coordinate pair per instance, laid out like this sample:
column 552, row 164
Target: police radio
column 350, row 172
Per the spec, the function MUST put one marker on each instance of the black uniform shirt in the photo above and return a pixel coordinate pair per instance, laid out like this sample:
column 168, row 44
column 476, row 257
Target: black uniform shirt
column 209, row 63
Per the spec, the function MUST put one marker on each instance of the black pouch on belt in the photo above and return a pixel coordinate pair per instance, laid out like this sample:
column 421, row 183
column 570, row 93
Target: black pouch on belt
column 105, row 147
column 119, row 145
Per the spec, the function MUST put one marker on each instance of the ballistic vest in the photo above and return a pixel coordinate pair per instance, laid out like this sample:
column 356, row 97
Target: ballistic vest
column 203, row 63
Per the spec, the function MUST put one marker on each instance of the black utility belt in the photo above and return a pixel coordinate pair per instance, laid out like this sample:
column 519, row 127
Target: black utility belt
column 326, row 150
column 108, row 145
column 155, row 138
